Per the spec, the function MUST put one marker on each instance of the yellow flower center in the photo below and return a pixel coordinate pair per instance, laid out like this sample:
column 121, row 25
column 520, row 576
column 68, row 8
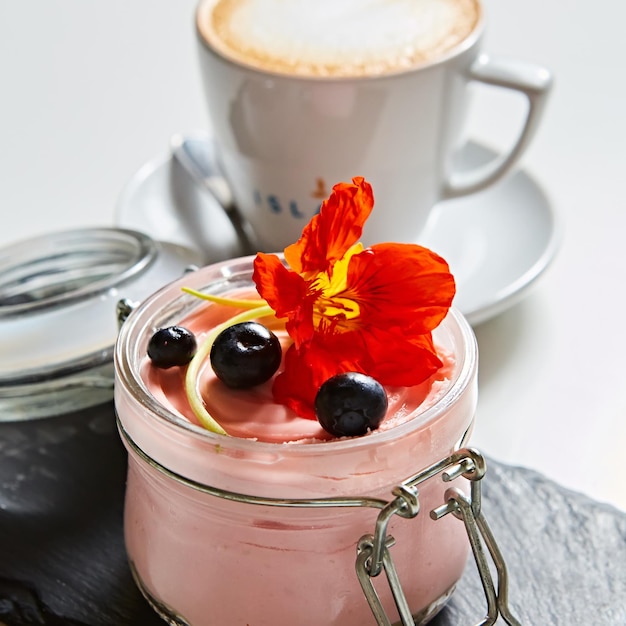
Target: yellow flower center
column 334, row 308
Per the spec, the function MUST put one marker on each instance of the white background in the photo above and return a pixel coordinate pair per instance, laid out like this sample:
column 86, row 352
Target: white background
column 91, row 91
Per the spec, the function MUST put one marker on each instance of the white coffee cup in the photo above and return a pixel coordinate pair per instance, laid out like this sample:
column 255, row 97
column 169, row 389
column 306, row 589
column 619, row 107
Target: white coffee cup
column 287, row 130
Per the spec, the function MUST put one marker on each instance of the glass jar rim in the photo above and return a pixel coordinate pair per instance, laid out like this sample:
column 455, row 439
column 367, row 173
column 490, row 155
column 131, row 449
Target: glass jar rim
column 126, row 359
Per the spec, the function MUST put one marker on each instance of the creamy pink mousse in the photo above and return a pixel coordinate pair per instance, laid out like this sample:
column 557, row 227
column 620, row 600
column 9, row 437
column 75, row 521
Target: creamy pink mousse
column 252, row 413
column 214, row 561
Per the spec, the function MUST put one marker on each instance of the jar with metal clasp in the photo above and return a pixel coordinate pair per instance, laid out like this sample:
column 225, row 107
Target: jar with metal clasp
column 228, row 530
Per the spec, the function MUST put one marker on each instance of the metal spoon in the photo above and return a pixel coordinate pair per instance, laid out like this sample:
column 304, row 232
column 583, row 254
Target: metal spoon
column 194, row 154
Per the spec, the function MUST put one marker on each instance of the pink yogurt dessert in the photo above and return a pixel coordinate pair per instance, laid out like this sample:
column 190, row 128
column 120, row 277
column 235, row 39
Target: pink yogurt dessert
column 204, row 557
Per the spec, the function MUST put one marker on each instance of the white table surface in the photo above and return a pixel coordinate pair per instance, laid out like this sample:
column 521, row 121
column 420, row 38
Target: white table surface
column 90, row 91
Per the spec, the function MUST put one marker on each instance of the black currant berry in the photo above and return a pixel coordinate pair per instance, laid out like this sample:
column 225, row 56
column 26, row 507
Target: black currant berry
column 245, row 355
column 350, row 404
column 171, row 346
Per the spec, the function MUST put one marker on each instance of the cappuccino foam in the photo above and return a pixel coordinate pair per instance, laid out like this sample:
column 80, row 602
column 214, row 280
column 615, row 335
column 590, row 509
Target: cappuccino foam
column 336, row 37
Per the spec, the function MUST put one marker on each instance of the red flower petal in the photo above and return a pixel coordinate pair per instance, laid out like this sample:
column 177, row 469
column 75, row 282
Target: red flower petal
column 393, row 359
column 386, row 356
column 376, row 319
column 402, row 285
column 287, row 293
column 338, row 226
column 282, row 289
column 304, row 372
column 294, row 386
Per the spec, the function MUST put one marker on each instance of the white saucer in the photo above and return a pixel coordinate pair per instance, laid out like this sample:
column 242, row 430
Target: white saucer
column 497, row 242
column 162, row 201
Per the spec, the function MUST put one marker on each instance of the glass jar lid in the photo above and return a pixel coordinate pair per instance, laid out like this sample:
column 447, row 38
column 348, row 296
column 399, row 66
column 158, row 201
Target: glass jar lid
column 58, row 323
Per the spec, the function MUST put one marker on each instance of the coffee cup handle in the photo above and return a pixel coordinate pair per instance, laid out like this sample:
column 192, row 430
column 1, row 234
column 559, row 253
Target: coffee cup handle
column 534, row 82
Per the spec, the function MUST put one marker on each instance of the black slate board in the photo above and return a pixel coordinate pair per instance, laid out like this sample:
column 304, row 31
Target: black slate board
column 62, row 556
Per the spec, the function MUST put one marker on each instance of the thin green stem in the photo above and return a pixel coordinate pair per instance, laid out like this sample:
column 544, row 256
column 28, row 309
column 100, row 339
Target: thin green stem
column 241, row 304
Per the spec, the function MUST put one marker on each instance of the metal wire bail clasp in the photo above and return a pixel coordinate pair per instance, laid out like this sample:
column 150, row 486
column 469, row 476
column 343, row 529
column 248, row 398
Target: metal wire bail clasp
column 374, row 556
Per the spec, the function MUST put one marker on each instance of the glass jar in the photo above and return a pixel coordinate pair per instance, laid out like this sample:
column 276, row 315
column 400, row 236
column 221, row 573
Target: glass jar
column 58, row 326
column 62, row 468
column 222, row 530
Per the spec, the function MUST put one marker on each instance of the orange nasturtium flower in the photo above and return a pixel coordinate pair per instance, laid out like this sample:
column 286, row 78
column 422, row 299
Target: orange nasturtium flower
column 350, row 308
